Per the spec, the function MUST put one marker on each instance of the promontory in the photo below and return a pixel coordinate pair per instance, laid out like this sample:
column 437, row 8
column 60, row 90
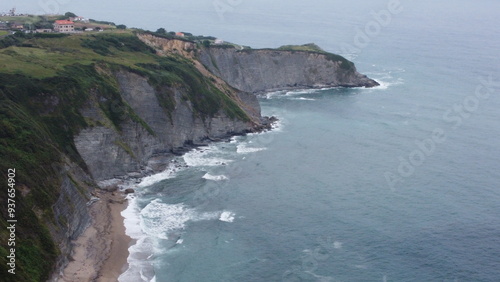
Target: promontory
column 79, row 109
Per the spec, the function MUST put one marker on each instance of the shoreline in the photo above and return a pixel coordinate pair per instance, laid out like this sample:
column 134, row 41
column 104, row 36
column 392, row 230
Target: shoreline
column 100, row 253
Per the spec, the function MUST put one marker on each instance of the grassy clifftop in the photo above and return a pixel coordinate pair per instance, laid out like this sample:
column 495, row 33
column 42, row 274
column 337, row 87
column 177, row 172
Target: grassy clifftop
column 313, row 48
column 45, row 55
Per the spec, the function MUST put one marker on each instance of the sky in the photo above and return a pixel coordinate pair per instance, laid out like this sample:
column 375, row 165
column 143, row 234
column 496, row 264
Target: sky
column 226, row 18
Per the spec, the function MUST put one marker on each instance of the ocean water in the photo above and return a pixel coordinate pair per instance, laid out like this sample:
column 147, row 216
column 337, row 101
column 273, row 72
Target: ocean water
column 394, row 183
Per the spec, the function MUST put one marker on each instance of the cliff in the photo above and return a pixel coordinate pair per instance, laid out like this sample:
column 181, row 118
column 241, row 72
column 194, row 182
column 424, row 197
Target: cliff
column 258, row 71
column 263, row 70
column 110, row 153
column 77, row 110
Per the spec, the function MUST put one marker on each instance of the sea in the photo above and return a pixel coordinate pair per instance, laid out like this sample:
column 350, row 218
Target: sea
column 399, row 182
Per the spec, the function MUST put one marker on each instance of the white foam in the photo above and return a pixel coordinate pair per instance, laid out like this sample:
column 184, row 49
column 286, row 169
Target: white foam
column 243, row 149
column 337, row 245
column 276, row 126
column 161, row 221
column 205, row 157
column 272, row 95
column 208, row 176
column 285, row 93
column 227, row 216
column 300, row 92
column 304, row 99
column 386, row 79
column 158, row 219
column 385, row 84
column 140, row 267
column 132, row 219
column 155, row 178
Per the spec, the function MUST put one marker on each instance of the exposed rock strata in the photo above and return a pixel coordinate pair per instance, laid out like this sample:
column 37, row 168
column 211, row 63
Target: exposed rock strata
column 137, row 149
column 258, row 71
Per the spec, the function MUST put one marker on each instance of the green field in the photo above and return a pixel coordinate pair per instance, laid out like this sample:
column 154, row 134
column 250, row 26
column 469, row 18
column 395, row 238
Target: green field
column 23, row 19
column 311, row 47
column 44, row 57
column 3, row 32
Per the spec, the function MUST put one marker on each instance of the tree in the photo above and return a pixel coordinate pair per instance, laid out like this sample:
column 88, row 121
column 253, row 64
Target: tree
column 121, row 26
column 161, row 30
column 206, row 43
column 70, row 15
column 44, row 24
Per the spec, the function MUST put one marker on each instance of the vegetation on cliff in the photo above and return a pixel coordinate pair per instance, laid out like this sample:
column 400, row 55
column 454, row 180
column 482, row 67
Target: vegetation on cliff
column 44, row 83
column 313, row 48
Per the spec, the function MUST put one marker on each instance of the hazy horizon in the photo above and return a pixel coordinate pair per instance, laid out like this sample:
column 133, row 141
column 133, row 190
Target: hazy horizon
column 234, row 20
column 393, row 183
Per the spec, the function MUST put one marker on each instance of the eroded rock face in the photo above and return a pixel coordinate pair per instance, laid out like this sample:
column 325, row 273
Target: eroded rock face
column 138, row 148
column 167, row 46
column 258, row 71
column 263, row 70
column 70, row 210
column 109, row 152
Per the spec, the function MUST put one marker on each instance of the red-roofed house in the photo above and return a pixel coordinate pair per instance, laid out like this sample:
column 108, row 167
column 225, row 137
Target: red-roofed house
column 64, row 26
column 181, row 34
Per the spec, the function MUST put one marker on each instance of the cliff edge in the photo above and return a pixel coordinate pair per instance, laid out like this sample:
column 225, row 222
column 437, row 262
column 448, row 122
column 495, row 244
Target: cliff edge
column 76, row 110
column 264, row 70
column 79, row 109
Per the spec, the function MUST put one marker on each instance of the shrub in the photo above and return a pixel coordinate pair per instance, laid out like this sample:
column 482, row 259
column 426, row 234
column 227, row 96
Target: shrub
column 161, row 30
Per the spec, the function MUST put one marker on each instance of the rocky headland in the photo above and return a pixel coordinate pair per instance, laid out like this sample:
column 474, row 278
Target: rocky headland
column 78, row 110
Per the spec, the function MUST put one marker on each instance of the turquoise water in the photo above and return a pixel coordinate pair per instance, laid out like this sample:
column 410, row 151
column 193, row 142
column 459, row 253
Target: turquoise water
column 396, row 183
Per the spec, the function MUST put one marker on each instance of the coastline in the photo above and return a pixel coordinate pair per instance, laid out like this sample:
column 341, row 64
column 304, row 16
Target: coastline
column 100, row 253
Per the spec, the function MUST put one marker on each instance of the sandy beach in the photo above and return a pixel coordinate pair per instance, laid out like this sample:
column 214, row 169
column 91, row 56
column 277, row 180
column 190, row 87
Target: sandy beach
column 100, row 253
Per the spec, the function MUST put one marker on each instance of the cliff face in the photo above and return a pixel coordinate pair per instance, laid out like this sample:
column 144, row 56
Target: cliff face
column 120, row 105
column 108, row 106
column 70, row 209
column 110, row 153
column 263, row 70
column 257, row 71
